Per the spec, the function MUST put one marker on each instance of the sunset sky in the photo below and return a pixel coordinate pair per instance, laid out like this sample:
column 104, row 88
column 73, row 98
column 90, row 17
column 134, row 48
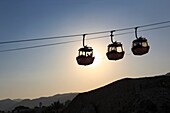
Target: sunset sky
column 51, row 70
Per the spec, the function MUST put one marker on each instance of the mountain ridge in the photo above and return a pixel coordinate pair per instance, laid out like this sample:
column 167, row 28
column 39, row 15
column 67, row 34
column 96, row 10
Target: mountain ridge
column 130, row 95
column 9, row 104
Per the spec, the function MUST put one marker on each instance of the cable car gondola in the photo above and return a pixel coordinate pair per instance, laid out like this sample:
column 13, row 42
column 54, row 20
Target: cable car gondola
column 115, row 50
column 140, row 45
column 85, row 55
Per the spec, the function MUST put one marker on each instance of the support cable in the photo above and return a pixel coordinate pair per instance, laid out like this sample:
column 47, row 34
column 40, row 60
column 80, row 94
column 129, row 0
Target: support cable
column 66, row 42
column 76, row 35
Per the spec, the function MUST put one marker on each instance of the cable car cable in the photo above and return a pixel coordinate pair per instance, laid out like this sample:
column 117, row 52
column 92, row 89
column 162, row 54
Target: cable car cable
column 38, row 46
column 50, row 44
column 76, row 35
column 147, row 25
column 66, row 42
column 38, row 39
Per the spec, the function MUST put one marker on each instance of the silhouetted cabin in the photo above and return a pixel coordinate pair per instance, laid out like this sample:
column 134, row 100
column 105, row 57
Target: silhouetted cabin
column 85, row 56
column 115, row 51
column 140, row 46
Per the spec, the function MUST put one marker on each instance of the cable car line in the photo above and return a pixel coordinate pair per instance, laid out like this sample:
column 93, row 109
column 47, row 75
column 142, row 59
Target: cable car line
column 154, row 28
column 38, row 46
column 76, row 35
column 124, row 29
column 66, row 42
column 147, row 25
column 50, row 44
column 38, row 39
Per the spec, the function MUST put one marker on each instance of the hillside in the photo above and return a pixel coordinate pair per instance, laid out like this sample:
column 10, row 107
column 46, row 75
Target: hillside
column 9, row 104
column 140, row 95
column 6, row 103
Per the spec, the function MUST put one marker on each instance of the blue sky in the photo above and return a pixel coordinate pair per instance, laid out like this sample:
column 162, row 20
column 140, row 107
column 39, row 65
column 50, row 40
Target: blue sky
column 50, row 70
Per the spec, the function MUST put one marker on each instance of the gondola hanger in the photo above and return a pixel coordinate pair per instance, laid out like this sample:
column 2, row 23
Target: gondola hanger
column 84, row 39
column 111, row 35
column 136, row 34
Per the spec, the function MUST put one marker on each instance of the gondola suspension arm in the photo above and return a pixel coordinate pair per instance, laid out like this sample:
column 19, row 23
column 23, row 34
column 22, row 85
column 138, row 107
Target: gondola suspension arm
column 136, row 35
column 84, row 40
column 111, row 35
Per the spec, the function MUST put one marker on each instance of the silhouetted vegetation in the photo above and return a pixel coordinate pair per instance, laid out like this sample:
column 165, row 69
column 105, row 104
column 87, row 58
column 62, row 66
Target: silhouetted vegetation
column 2, row 111
column 21, row 109
column 55, row 107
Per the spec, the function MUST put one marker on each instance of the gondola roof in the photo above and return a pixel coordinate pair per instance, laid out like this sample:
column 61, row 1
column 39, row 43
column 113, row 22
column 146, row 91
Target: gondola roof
column 86, row 49
column 115, row 44
column 140, row 39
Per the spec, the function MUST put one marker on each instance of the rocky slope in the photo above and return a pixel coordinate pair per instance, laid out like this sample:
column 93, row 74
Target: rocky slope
column 141, row 95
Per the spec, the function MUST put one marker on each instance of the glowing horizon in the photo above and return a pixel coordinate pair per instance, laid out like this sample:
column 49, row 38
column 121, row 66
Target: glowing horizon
column 51, row 70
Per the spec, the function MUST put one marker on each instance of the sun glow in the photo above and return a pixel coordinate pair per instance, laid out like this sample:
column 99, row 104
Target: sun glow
column 98, row 58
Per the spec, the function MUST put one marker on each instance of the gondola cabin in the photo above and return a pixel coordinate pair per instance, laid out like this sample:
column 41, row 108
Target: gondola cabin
column 85, row 56
column 115, row 51
column 140, row 46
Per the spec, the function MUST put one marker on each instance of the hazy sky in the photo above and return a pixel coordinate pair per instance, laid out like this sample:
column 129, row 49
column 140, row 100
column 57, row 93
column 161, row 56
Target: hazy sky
column 50, row 70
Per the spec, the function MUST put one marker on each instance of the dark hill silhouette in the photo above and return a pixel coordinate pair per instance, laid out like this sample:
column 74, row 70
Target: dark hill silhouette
column 46, row 101
column 8, row 104
column 4, row 104
column 140, row 95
